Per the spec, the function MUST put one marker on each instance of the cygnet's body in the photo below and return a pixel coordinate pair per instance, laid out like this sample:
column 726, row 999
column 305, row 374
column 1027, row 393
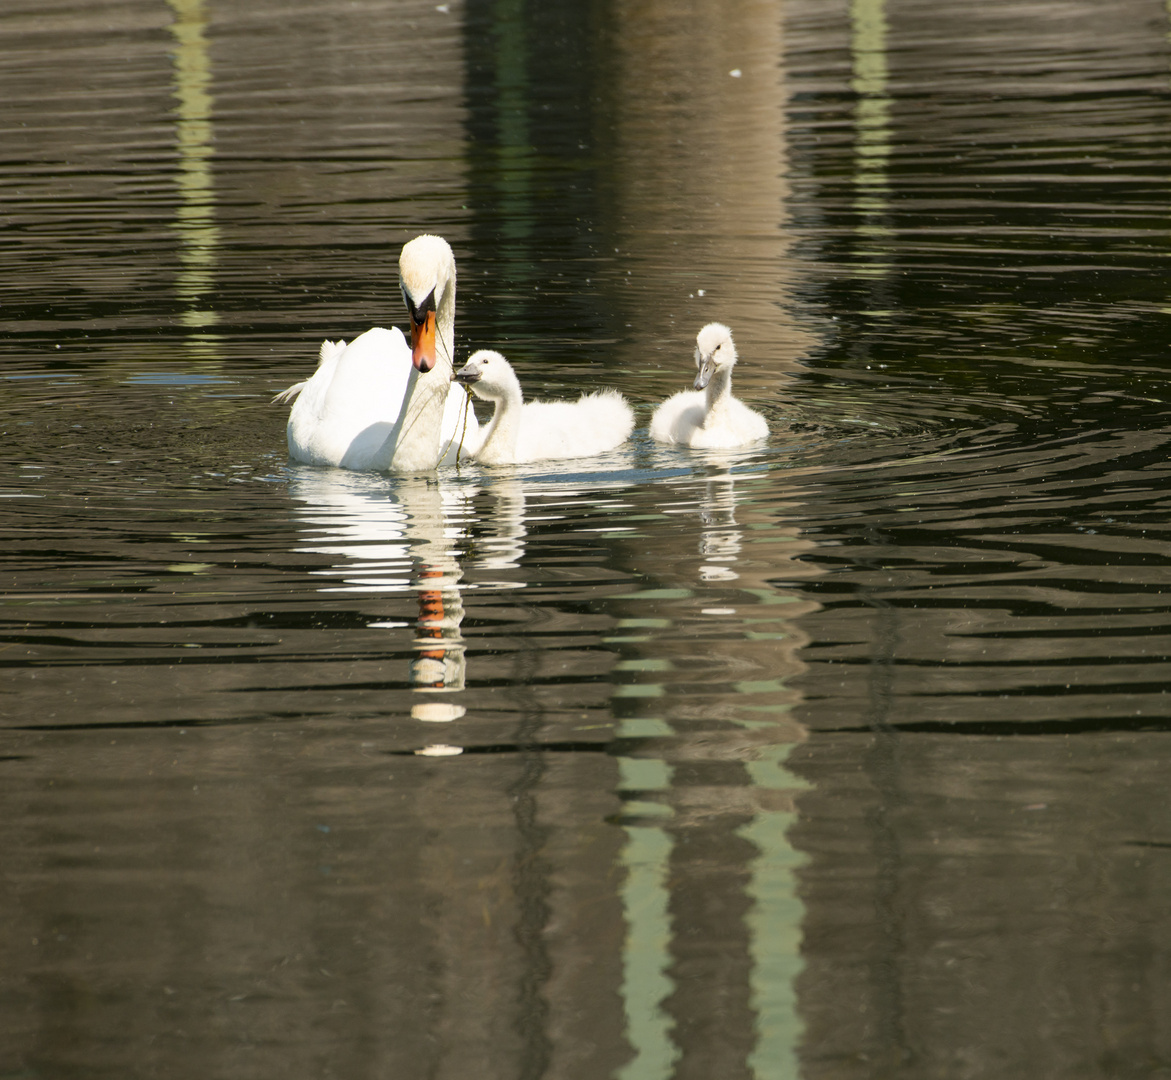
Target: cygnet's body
column 521, row 432
column 709, row 417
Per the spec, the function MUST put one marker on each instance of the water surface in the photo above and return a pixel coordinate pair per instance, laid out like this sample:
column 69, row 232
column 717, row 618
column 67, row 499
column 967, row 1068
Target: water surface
column 842, row 756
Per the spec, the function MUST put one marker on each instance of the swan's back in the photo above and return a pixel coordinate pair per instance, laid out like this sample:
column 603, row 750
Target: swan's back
column 597, row 422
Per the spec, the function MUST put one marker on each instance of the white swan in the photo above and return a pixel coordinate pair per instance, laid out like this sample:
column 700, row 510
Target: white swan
column 379, row 403
column 709, row 417
column 520, row 432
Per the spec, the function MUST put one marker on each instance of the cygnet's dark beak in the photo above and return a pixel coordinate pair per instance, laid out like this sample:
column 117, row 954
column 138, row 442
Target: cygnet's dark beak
column 467, row 375
column 706, row 371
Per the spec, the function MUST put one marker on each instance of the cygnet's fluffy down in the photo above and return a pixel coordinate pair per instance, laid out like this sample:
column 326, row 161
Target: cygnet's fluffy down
column 521, row 432
column 709, row 417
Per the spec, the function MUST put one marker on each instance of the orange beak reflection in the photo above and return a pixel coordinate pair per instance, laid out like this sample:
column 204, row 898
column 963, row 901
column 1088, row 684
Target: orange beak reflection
column 423, row 343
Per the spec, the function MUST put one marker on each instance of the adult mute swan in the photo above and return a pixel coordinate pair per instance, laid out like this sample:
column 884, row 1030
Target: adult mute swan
column 709, row 417
column 379, row 403
column 520, row 432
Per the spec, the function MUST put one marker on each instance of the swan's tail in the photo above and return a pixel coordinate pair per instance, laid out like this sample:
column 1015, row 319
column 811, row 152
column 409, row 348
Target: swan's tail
column 288, row 395
column 330, row 350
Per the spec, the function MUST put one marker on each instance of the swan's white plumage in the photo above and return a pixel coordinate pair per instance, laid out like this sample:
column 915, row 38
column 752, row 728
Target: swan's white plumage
column 522, row 431
column 367, row 407
column 709, row 417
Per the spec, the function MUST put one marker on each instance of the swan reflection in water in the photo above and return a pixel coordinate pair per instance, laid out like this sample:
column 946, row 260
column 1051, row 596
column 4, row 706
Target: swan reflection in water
column 393, row 539
column 412, row 535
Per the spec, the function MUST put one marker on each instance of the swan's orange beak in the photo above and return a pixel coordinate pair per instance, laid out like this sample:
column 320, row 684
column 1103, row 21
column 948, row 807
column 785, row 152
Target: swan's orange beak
column 423, row 342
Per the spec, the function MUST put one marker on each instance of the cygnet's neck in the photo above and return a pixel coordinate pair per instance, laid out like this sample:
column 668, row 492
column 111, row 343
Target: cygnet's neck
column 718, row 390
column 499, row 443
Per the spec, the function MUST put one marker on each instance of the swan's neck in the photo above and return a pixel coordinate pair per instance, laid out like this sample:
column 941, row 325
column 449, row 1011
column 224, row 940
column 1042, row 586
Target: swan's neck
column 499, row 445
column 445, row 334
column 418, row 445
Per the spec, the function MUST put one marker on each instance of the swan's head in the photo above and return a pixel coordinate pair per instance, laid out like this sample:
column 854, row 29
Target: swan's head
column 489, row 375
column 426, row 275
column 713, row 351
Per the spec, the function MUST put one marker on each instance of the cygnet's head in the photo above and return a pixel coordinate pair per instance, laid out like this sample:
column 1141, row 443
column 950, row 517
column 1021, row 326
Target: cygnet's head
column 713, row 350
column 489, row 375
column 426, row 275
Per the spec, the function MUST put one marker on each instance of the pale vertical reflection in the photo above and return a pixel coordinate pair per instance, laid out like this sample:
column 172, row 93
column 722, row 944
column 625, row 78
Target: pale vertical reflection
column 872, row 116
column 775, row 925
column 645, row 897
column 749, row 722
column 1167, row 35
column 513, row 143
column 699, row 190
column 199, row 236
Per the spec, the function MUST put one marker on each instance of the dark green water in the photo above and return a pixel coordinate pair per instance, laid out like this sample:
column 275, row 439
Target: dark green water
column 844, row 757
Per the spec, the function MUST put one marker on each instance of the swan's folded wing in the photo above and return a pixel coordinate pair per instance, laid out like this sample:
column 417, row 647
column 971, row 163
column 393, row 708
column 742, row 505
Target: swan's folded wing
column 370, row 380
column 345, row 414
